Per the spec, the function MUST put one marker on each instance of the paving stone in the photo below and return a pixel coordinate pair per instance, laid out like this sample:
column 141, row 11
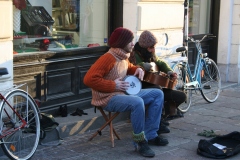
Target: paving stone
column 221, row 116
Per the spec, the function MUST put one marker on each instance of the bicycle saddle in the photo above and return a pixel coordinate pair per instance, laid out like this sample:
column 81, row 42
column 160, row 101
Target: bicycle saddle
column 3, row 71
column 180, row 49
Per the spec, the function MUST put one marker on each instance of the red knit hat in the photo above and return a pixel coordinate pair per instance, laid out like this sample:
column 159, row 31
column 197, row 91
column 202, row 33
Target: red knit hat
column 120, row 37
column 147, row 39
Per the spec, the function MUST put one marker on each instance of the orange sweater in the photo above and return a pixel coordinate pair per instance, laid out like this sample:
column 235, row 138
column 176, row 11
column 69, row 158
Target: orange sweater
column 100, row 77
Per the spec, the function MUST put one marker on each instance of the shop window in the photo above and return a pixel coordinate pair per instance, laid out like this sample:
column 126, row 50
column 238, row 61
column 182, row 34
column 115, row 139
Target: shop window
column 199, row 16
column 59, row 24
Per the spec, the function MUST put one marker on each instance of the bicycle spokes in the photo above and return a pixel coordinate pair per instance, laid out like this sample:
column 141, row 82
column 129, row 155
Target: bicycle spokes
column 17, row 139
column 210, row 82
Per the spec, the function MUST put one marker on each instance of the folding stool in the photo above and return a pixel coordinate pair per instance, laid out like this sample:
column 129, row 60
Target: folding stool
column 108, row 120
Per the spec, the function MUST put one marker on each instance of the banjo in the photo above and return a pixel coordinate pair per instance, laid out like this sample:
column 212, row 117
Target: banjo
column 135, row 85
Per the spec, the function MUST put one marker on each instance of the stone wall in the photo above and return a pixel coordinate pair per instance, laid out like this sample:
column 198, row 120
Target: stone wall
column 229, row 41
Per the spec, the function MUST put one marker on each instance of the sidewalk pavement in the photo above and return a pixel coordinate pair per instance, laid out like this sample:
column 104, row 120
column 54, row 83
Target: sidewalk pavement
column 222, row 116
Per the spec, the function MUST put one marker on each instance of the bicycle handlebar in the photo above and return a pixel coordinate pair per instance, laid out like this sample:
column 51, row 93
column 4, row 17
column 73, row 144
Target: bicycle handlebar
column 199, row 41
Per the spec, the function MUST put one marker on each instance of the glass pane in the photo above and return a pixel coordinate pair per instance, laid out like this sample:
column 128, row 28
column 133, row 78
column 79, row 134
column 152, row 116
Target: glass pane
column 65, row 14
column 199, row 16
column 60, row 25
column 93, row 22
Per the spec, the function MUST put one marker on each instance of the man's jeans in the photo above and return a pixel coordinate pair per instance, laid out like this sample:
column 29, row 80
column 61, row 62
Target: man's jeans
column 149, row 123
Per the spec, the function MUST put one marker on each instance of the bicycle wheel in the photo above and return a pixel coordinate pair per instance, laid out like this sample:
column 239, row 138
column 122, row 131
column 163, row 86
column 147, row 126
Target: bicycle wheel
column 183, row 78
column 210, row 81
column 19, row 142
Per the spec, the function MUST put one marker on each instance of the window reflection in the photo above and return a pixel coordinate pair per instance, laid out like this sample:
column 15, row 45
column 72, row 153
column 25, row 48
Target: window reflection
column 60, row 25
column 199, row 16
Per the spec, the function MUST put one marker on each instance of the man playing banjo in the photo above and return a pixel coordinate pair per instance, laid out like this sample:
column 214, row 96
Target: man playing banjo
column 105, row 78
column 144, row 55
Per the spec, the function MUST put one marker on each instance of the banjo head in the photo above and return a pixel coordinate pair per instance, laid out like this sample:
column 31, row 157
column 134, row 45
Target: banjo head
column 135, row 85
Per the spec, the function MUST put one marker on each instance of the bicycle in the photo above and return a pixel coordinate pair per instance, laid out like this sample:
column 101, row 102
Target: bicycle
column 19, row 122
column 204, row 78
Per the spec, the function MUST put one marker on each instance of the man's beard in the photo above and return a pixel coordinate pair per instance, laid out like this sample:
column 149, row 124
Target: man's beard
column 128, row 49
column 147, row 56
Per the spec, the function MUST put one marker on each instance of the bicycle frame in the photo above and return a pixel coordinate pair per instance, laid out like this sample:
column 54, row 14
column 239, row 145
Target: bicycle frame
column 195, row 78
